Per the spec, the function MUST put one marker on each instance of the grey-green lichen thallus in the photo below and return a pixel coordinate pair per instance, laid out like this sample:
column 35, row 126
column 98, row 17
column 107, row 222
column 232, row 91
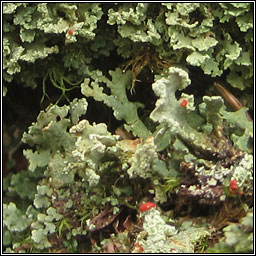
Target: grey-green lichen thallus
column 132, row 153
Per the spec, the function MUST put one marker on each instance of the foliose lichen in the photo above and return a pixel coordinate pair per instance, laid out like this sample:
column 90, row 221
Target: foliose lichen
column 84, row 183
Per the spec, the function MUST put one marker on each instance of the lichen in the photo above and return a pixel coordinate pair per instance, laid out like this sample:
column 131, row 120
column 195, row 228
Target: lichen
column 159, row 237
column 206, row 180
column 118, row 101
column 174, row 121
column 14, row 220
column 243, row 174
column 154, row 238
column 145, row 163
column 151, row 67
column 238, row 237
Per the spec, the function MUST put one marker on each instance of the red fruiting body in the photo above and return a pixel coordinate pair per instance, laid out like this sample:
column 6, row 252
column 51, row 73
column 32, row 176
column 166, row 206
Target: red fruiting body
column 70, row 32
column 184, row 103
column 147, row 206
column 233, row 186
column 141, row 249
column 241, row 193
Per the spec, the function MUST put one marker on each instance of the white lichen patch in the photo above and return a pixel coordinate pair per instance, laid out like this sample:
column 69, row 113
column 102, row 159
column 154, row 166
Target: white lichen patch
column 154, row 238
column 185, row 240
column 92, row 177
column 212, row 182
column 160, row 237
column 243, row 172
column 145, row 163
column 212, row 178
column 79, row 127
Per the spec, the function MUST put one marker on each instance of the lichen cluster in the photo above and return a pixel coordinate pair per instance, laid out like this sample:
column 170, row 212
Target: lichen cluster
column 85, row 183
